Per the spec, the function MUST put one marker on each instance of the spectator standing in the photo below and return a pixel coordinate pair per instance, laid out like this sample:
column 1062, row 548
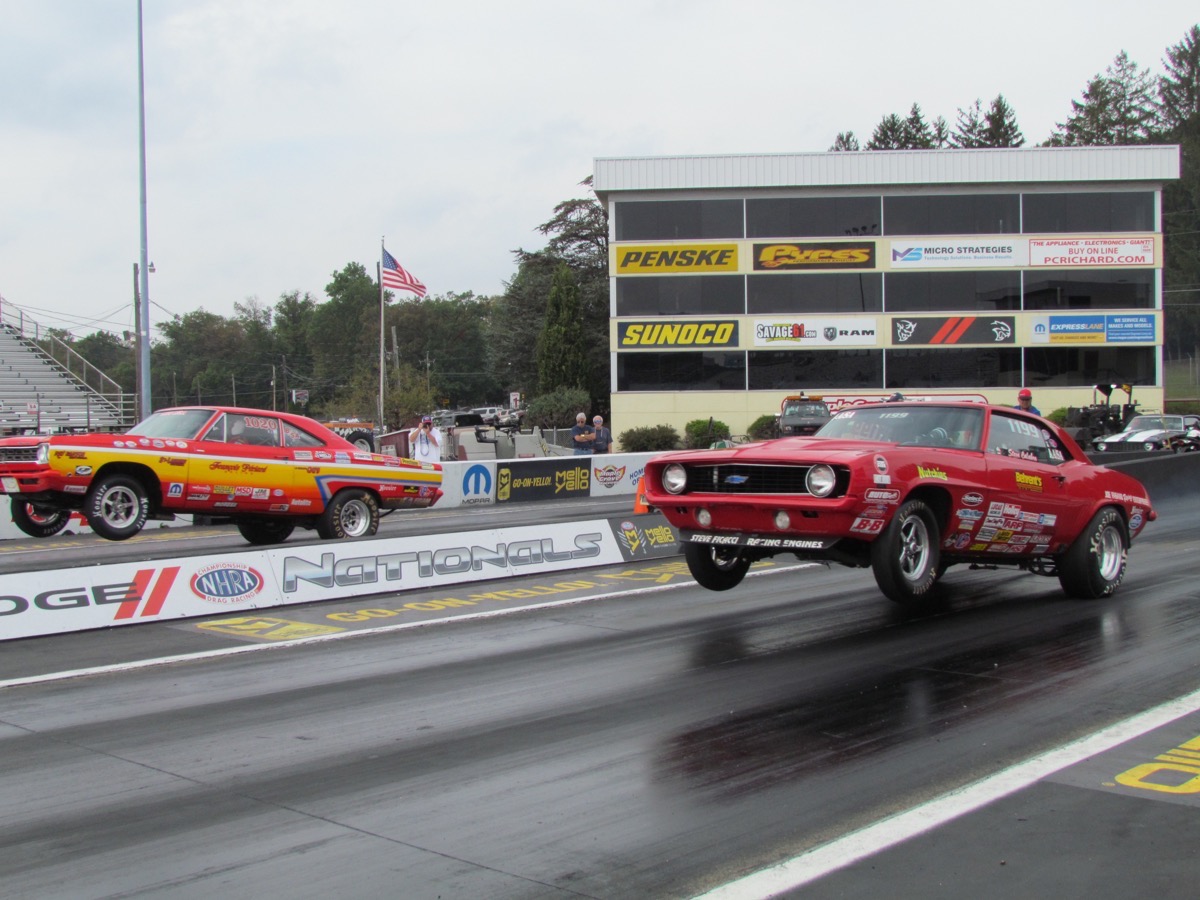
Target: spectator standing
column 582, row 437
column 425, row 442
column 603, row 442
column 1025, row 402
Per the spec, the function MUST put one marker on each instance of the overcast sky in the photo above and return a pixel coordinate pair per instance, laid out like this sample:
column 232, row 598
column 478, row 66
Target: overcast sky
column 286, row 137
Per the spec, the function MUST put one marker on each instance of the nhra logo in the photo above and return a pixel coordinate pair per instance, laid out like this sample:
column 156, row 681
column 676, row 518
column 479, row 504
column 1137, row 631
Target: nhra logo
column 226, row 583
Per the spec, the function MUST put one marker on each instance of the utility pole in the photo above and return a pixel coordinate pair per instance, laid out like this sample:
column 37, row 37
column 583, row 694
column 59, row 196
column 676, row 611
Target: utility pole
column 144, row 304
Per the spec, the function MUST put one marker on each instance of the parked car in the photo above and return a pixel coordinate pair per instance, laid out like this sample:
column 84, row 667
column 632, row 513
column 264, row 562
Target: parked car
column 489, row 414
column 268, row 471
column 799, row 414
column 1148, row 432
column 908, row 489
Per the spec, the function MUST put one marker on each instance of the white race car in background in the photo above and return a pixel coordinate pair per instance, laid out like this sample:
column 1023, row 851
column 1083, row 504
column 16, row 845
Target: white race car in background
column 1148, row 432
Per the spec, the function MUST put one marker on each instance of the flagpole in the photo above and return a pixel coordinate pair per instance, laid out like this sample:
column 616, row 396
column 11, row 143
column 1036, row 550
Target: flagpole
column 382, row 370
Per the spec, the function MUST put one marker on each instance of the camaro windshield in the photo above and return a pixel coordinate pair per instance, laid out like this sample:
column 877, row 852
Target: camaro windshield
column 1153, row 423
column 932, row 426
column 173, row 423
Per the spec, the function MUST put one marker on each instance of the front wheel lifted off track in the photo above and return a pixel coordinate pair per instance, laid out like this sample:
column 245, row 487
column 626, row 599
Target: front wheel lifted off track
column 38, row 521
column 1094, row 565
column 116, row 507
column 352, row 513
column 716, row 568
column 906, row 558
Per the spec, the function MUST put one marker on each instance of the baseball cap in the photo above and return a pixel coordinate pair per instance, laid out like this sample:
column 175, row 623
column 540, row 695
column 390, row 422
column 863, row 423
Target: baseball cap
column 1025, row 394
column 426, row 419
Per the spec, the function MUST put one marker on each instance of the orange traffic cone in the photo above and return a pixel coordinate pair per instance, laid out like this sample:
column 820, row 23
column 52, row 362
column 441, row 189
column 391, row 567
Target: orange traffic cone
column 639, row 499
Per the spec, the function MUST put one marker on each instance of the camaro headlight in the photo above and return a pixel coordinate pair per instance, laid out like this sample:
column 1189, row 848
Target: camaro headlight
column 43, row 454
column 821, row 480
column 674, row 479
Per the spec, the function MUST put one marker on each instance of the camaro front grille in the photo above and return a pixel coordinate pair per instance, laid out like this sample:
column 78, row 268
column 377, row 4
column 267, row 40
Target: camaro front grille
column 18, row 454
column 740, row 478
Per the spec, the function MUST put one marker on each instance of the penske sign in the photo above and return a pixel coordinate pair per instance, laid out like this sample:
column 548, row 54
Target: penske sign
column 676, row 259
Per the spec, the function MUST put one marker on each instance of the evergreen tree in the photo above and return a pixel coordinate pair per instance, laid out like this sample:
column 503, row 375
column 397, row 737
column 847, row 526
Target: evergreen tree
column 1092, row 121
column 1179, row 121
column 1118, row 108
column 889, row 134
column 970, row 132
column 1179, row 88
column 1000, row 128
column 845, row 141
column 561, row 351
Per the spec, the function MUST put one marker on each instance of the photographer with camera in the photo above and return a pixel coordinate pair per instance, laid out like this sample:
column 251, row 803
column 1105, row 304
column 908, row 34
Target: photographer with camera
column 425, row 442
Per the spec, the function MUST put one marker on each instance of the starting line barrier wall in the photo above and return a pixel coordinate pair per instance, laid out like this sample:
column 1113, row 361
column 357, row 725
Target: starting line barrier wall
column 63, row 600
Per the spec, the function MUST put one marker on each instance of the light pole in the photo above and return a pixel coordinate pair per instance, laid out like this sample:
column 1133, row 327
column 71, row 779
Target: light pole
column 144, row 317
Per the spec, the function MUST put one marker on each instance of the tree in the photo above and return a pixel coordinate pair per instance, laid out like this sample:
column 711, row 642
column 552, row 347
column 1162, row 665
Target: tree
column 1179, row 122
column 561, row 352
column 889, row 134
column 970, row 131
column 1000, row 125
column 1118, row 108
column 344, row 335
column 1179, row 87
column 845, row 141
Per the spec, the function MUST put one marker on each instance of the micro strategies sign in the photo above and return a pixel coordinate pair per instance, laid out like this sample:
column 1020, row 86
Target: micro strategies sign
column 1006, row 252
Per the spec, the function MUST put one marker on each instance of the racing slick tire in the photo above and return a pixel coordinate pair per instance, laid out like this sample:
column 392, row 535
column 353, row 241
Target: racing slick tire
column 716, row 568
column 362, row 439
column 116, row 507
column 38, row 521
column 1094, row 566
column 266, row 530
column 352, row 513
column 906, row 557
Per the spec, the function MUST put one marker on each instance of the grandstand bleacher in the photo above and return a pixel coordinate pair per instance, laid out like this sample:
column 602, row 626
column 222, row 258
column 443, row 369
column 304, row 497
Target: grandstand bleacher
column 46, row 387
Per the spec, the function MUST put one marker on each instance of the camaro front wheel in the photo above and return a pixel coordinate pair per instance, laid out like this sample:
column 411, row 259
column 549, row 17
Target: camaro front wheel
column 1094, row 565
column 906, row 557
column 716, row 568
column 352, row 513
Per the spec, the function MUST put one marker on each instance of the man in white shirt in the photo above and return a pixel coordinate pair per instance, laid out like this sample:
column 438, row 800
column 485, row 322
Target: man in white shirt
column 425, row 442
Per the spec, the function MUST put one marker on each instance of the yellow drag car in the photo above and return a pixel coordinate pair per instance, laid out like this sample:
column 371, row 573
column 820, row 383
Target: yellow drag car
column 267, row 471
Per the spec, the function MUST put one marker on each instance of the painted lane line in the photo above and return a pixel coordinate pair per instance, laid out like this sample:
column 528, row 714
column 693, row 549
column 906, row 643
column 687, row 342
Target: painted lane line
column 857, row 845
column 50, row 677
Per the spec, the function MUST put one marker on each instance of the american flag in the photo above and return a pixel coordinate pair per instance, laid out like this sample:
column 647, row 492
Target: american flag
column 395, row 276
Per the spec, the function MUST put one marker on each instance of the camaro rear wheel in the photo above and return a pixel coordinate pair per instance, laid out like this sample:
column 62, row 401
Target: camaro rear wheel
column 38, row 521
column 1094, row 565
column 906, row 558
column 117, row 507
column 716, row 568
column 362, row 439
column 266, row 531
column 352, row 513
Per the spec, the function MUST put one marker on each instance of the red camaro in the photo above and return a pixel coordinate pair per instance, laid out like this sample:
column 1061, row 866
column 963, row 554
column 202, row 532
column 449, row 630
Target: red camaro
column 908, row 489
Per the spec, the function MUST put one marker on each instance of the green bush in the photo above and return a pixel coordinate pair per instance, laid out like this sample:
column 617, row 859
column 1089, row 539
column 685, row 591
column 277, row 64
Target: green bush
column 764, row 428
column 650, row 439
column 700, row 433
column 1057, row 416
column 558, row 408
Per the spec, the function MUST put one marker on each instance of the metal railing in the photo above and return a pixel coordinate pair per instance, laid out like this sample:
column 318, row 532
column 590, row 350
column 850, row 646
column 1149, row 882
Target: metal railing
column 106, row 403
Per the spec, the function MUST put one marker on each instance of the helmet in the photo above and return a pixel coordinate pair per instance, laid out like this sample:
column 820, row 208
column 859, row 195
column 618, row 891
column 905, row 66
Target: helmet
column 1025, row 394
